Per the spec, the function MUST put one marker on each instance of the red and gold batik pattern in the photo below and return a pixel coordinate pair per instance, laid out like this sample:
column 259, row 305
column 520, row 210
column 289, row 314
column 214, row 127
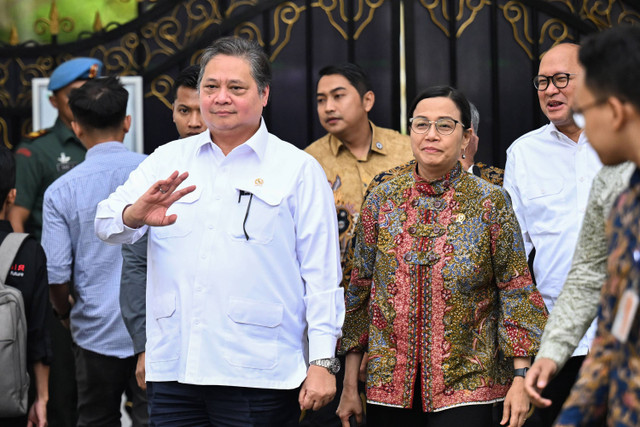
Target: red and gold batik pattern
column 440, row 280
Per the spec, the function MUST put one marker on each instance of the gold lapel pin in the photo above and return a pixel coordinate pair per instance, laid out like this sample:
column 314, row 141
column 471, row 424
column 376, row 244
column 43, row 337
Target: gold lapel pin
column 259, row 181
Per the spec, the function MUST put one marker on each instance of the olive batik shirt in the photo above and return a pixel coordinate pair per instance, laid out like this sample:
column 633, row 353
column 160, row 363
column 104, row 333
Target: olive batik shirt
column 349, row 176
column 42, row 158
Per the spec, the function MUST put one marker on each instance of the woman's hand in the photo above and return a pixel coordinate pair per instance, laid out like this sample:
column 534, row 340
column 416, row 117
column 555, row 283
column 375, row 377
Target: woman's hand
column 350, row 404
column 516, row 404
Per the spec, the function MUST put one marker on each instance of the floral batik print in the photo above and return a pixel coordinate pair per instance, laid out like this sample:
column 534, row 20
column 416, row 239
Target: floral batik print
column 440, row 285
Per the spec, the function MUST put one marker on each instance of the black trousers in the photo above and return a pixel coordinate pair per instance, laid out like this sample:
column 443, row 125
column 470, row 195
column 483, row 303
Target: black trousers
column 101, row 382
column 469, row 415
column 172, row 404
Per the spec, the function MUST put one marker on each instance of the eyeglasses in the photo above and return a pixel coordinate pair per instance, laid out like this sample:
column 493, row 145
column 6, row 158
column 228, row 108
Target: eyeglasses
column 559, row 80
column 444, row 126
column 578, row 112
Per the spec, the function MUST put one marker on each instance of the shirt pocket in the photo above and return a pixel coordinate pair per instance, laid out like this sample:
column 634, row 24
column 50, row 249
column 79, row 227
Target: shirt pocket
column 162, row 344
column 253, row 219
column 545, row 198
column 186, row 210
column 254, row 329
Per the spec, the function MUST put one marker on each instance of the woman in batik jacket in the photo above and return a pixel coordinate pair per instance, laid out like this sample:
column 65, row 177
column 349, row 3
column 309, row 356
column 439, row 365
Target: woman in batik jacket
column 440, row 294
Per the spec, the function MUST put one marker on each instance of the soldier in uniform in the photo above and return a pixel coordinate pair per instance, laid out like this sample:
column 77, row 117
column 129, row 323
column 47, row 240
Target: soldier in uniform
column 44, row 156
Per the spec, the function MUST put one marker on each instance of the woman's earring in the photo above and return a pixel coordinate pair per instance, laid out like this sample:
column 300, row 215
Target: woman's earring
column 463, row 156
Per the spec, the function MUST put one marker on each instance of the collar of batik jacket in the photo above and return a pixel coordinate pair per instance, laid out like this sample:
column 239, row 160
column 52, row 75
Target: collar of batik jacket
column 438, row 186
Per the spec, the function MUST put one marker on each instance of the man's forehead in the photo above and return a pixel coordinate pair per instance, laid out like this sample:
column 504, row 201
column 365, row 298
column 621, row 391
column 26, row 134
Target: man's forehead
column 333, row 83
column 561, row 58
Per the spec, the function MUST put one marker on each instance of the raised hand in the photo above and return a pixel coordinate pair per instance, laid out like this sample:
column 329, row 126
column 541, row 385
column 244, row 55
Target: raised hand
column 151, row 207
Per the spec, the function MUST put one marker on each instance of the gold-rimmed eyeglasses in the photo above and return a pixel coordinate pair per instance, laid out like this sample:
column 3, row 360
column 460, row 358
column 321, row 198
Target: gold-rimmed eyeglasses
column 444, row 126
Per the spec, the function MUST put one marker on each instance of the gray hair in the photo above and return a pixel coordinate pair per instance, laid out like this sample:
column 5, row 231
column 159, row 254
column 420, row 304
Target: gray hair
column 475, row 117
column 248, row 50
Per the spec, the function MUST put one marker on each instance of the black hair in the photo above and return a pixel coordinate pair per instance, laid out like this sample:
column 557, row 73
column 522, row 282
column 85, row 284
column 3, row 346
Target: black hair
column 352, row 72
column 453, row 94
column 187, row 78
column 99, row 103
column 611, row 60
column 7, row 172
column 249, row 50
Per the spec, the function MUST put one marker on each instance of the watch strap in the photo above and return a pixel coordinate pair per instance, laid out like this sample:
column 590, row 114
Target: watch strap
column 520, row 372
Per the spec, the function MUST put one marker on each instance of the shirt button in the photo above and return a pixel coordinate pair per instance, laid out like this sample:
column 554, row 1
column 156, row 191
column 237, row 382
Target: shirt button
column 407, row 257
column 203, row 256
column 415, row 203
column 582, row 179
column 210, row 226
column 412, row 230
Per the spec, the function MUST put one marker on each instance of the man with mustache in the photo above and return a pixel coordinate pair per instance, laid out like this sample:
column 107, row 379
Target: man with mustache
column 548, row 174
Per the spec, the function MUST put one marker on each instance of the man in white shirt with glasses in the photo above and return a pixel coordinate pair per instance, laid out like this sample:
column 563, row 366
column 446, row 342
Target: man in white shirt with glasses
column 548, row 175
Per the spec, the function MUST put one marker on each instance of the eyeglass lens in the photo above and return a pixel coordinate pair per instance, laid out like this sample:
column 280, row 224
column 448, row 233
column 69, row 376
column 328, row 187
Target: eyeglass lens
column 444, row 126
column 559, row 80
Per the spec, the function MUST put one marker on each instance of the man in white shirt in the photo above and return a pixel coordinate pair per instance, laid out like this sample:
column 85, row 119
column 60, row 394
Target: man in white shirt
column 548, row 175
column 243, row 260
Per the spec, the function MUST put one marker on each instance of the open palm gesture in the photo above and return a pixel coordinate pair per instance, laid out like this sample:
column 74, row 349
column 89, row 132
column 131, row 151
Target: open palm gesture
column 151, row 207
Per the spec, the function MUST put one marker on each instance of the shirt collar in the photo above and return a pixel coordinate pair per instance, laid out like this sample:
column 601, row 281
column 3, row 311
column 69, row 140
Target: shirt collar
column 65, row 132
column 553, row 130
column 257, row 143
column 438, row 186
column 106, row 148
column 376, row 143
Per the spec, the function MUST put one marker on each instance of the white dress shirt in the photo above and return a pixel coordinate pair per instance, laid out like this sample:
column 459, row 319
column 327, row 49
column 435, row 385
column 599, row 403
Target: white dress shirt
column 548, row 177
column 222, row 309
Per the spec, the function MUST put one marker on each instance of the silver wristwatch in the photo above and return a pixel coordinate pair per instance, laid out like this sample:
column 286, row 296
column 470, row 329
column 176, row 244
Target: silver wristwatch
column 332, row 364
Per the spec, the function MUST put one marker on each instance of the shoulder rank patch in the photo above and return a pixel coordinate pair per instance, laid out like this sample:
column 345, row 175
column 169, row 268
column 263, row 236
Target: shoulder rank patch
column 38, row 133
column 24, row 151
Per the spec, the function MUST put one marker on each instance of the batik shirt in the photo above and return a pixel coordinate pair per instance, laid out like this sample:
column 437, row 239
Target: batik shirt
column 609, row 386
column 349, row 176
column 440, row 285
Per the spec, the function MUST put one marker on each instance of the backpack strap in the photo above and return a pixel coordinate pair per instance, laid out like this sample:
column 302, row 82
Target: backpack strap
column 8, row 251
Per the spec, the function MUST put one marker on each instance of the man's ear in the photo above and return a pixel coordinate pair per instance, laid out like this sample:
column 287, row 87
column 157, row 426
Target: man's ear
column 126, row 125
column 11, row 197
column 77, row 129
column 619, row 113
column 54, row 101
column 368, row 99
column 265, row 96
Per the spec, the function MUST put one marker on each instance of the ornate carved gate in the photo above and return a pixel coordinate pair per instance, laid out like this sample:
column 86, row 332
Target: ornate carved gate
column 488, row 48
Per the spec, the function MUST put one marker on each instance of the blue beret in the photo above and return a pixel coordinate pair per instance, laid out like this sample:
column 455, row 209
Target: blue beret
column 72, row 70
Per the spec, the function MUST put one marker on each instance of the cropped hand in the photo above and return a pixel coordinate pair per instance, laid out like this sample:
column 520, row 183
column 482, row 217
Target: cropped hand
column 516, row 404
column 318, row 388
column 537, row 378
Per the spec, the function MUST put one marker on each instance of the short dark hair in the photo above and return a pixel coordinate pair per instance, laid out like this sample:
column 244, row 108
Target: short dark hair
column 7, row 172
column 187, row 78
column 248, row 50
column 446, row 92
column 352, row 72
column 99, row 103
column 611, row 60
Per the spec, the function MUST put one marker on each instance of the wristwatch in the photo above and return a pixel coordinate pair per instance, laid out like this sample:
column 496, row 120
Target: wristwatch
column 520, row 372
column 332, row 364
